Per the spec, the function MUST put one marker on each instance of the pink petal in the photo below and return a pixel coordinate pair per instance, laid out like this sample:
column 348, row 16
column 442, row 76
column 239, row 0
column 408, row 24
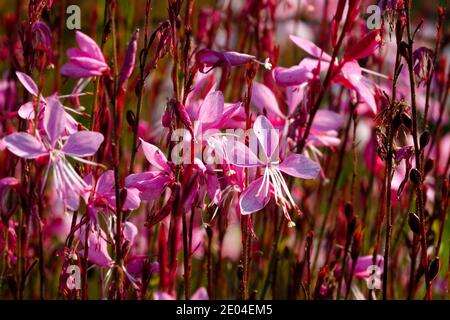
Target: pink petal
column 310, row 48
column 300, row 166
column 151, row 184
column 90, row 64
column 285, row 77
column 294, row 95
column 363, row 263
column 83, row 143
column 129, row 231
column 327, row 120
column 263, row 98
column 105, row 182
column 89, row 46
column 54, row 121
column 155, row 156
column 213, row 187
column 159, row 295
column 132, row 201
column 130, row 59
column 98, row 248
column 254, row 197
column 200, row 294
column 26, row 111
column 267, row 135
column 211, row 110
column 24, row 145
column 237, row 58
column 240, row 155
column 28, row 83
column 73, row 70
column 208, row 57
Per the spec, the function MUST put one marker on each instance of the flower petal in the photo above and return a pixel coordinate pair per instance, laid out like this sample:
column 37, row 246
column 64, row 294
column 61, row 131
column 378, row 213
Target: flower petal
column 263, row 98
column 24, row 145
column 151, row 184
column 28, row 83
column 129, row 231
column 310, row 48
column 26, row 111
column 200, row 294
column 54, row 121
column 254, row 198
column 300, row 166
column 105, row 182
column 89, row 46
column 155, row 156
column 74, row 70
column 211, row 110
column 327, row 120
column 267, row 136
column 285, row 77
column 240, row 155
column 83, row 143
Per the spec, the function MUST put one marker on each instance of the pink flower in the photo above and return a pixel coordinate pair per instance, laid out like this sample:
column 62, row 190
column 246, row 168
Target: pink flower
column 85, row 61
column 324, row 129
column 78, row 145
column 362, row 265
column 226, row 59
column 102, row 197
column 97, row 247
column 350, row 74
column 258, row 193
column 27, row 110
column 151, row 184
column 130, row 59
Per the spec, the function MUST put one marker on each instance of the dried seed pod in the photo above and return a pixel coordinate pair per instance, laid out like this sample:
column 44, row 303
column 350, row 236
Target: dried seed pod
column 414, row 223
column 424, row 139
column 433, row 268
column 415, row 176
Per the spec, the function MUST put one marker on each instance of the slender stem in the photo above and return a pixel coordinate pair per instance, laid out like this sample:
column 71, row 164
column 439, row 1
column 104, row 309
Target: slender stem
column 116, row 158
column 388, row 177
column 274, row 258
column 84, row 282
column 186, row 255
column 419, row 189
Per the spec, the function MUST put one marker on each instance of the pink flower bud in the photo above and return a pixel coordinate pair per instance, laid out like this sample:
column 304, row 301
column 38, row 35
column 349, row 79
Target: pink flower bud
column 130, row 59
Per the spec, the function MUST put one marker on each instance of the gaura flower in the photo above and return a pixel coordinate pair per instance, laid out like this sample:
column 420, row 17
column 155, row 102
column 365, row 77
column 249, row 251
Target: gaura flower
column 85, row 61
column 77, row 146
column 226, row 59
column 258, row 193
column 349, row 75
column 27, row 110
column 101, row 197
column 151, row 184
column 324, row 129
